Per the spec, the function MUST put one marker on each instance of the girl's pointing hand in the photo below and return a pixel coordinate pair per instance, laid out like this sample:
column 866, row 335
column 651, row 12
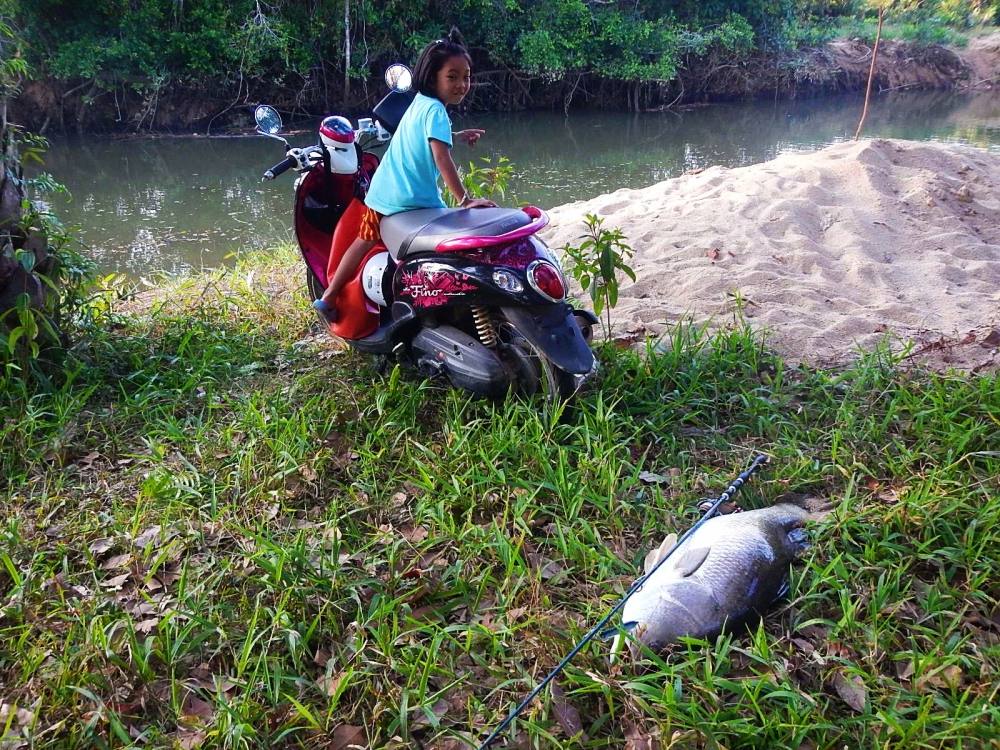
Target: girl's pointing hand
column 470, row 136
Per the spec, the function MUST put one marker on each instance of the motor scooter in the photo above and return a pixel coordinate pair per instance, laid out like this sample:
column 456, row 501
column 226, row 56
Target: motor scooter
column 472, row 295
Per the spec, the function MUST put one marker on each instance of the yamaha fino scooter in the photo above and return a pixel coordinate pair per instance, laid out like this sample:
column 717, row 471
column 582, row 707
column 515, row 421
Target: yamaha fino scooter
column 471, row 295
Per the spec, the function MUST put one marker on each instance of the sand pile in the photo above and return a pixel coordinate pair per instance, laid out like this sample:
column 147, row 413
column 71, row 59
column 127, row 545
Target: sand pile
column 830, row 251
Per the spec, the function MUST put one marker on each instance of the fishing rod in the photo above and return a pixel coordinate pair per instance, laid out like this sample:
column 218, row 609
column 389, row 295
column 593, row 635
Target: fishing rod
column 726, row 496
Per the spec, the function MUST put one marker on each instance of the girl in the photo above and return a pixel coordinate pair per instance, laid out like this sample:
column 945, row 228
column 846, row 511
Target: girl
column 420, row 150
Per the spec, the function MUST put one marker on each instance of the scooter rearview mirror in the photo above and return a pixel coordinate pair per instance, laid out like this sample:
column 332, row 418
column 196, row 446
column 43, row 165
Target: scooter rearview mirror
column 268, row 120
column 398, row 77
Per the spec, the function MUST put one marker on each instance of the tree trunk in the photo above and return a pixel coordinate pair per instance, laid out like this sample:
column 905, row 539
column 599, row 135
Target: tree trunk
column 347, row 52
column 871, row 73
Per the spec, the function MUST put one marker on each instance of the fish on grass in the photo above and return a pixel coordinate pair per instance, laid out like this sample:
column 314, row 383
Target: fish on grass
column 730, row 570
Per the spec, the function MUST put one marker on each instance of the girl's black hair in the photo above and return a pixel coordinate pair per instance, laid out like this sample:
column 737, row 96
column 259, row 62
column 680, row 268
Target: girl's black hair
column 433, row 58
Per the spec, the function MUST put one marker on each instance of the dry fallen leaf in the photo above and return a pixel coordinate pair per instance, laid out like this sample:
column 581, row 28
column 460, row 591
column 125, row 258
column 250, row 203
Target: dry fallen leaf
column 100, row 546
column 147, row 536
column 415, row 535
column 547, row 568
column 348, row 737
column 114, row 584
column 118, row 561
column 195, row 708
column 146, row 626
column 190, row 740
column 851, row 689
column 651, row 478
column 566, row 714
column 947, row 677
column 637, row 739
column 330, row 684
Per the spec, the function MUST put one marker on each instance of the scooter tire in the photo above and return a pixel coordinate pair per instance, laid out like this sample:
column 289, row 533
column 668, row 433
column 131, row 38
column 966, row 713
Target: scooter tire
column 315, row 288
column 535, row 373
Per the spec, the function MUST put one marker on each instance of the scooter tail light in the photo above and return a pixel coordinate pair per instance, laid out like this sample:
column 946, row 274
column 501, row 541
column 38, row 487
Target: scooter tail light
column 546, row 280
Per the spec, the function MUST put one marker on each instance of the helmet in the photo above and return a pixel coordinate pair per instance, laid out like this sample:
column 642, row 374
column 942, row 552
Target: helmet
column 337, row 137
column 373, row 278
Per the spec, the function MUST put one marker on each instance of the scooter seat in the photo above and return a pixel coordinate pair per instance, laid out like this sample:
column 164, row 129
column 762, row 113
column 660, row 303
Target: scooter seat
column 414, row 232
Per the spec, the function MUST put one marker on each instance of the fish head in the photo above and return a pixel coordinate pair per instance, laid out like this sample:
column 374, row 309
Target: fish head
column 784, row 526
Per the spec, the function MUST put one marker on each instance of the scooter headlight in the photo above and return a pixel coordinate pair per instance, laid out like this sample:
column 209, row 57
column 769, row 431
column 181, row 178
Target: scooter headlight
column 507, row 281
column 545, row 279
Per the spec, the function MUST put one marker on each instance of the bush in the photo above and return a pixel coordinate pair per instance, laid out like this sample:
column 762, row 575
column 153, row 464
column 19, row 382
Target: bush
column 596, row 262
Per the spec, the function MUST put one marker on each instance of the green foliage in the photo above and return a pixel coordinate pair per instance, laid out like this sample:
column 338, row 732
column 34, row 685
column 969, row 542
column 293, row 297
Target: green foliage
column 13, row 66
column 33, row 330
column 488, row 180
column 143, row 44
column 918, row 31
column 964, row 14
column 596, row 262
column 104, row 48
column 32, row 336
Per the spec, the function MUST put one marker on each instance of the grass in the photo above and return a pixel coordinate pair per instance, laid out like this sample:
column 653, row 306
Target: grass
column 921, row 32
column 225, row 532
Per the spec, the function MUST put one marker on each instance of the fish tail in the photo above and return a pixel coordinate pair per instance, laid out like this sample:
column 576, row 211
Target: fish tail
column 616, row 646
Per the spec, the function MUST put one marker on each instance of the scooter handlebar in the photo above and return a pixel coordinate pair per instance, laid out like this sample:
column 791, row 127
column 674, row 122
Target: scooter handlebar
column 282, row 166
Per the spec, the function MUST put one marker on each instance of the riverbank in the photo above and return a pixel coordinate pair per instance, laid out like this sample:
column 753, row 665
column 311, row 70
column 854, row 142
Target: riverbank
column 828, row 252
column 835, row 67
column 228, row 528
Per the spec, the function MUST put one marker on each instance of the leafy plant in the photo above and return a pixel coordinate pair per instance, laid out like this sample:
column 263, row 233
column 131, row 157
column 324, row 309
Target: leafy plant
column 488, row 181
column 596, row 262
column 42, row 278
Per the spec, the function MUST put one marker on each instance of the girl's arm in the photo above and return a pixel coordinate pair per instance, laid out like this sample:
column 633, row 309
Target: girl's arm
column 449, row 172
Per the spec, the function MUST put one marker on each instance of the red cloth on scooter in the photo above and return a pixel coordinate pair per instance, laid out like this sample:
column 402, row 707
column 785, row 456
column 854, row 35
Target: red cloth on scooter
column 357, row 316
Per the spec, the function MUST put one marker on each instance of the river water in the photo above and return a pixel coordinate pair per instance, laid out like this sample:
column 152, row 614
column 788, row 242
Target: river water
column 172, row 204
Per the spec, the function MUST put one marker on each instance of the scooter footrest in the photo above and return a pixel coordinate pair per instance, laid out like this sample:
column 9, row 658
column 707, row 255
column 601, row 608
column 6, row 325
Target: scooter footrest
column 385, row 337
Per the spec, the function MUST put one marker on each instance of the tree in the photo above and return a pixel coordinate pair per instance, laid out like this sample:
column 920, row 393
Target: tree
column 31, row 270
column 21, row 251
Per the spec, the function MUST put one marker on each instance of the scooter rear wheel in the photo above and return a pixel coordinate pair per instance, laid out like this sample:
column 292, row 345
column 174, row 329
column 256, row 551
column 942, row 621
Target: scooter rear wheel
column 315, row 288
column 534, row 372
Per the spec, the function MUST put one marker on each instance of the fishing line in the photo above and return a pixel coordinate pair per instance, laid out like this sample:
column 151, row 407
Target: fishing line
column 731, row 490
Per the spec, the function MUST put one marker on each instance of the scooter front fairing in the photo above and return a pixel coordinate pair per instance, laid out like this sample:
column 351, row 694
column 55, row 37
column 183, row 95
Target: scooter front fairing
column 327, row 219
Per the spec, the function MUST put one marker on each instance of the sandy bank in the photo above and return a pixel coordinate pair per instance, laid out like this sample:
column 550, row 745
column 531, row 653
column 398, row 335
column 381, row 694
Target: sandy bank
column 830, row 251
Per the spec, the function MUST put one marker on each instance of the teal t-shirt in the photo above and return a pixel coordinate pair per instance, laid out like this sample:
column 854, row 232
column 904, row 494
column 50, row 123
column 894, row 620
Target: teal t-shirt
column 407, row 178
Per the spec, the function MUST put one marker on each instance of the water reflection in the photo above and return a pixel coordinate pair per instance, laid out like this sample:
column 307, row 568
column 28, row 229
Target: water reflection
column 176, row 203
